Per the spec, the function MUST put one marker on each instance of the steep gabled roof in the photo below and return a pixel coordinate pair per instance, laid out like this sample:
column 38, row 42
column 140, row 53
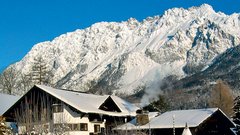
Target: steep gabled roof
column 82, row 101
column 87, row 103
column 6, row 101
column 90, row 103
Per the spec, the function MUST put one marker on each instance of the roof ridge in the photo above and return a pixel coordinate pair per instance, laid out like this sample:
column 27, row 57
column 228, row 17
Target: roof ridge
column 81, row 92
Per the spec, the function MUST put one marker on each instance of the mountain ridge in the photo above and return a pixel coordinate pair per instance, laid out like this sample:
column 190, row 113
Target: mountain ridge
column 121, row 57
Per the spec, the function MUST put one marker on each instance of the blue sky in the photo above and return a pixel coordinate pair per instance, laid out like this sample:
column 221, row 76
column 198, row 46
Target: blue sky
column 24, row 23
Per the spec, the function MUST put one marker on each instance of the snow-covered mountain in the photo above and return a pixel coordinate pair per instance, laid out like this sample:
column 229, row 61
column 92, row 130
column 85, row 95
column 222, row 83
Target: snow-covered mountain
column 123, row 57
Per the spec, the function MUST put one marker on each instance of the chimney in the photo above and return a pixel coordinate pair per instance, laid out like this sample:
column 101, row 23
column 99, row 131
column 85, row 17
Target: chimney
column 142, row 117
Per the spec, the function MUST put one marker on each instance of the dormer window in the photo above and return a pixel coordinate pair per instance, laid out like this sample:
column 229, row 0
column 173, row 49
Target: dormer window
column 57, row 108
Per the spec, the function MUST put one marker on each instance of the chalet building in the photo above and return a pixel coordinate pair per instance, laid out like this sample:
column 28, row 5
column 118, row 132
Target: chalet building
column 45, row 110
column 210, row 121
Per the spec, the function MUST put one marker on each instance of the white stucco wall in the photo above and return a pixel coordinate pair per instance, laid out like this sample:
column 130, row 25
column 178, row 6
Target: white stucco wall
column 68, row 116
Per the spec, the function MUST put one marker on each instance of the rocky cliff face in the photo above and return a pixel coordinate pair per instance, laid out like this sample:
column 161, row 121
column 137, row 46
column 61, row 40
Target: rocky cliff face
column 121, row 58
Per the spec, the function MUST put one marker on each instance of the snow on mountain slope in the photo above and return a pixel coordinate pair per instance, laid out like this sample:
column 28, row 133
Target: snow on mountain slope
column 121, row 56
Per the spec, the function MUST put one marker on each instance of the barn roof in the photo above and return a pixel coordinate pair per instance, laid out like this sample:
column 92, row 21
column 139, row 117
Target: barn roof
column 89, row 103
column 179, row 117
column 6, row 101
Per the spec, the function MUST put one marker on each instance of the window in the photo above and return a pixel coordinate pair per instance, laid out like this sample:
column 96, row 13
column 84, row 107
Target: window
column 61, row 126
column 96, row 128
column 83, row 127
column 70, row 127
column 57, row 108
column 75, row 127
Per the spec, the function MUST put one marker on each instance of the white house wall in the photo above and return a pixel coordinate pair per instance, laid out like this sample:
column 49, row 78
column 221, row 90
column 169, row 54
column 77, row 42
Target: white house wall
column 68, row 116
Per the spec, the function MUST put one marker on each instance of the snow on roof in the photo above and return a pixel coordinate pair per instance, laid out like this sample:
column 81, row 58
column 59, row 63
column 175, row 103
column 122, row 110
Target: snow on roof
column 6, row 101
column 90, row 103
column 124, row 105
column 132, row 124
column 192, row 117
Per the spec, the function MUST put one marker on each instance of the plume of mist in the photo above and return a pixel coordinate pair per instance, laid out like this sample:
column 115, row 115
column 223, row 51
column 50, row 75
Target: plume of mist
column 153, row 87
column 152, row 90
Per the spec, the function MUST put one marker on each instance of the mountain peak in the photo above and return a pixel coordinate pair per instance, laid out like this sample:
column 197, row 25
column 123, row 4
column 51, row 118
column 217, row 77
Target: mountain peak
column 202, row 7
column 202, row 10
column 206, row 7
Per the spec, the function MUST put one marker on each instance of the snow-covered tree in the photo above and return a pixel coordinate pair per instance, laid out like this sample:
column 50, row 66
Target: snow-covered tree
column 13, row 82
column 40, row 72
column 8, row 80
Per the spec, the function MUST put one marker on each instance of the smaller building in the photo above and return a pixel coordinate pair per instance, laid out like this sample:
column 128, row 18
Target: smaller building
column 211, row 121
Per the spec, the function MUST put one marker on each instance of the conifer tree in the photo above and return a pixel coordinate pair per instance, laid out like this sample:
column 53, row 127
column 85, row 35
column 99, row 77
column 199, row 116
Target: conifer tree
column 40, row 72
column 160, row 105
column 221, row 97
